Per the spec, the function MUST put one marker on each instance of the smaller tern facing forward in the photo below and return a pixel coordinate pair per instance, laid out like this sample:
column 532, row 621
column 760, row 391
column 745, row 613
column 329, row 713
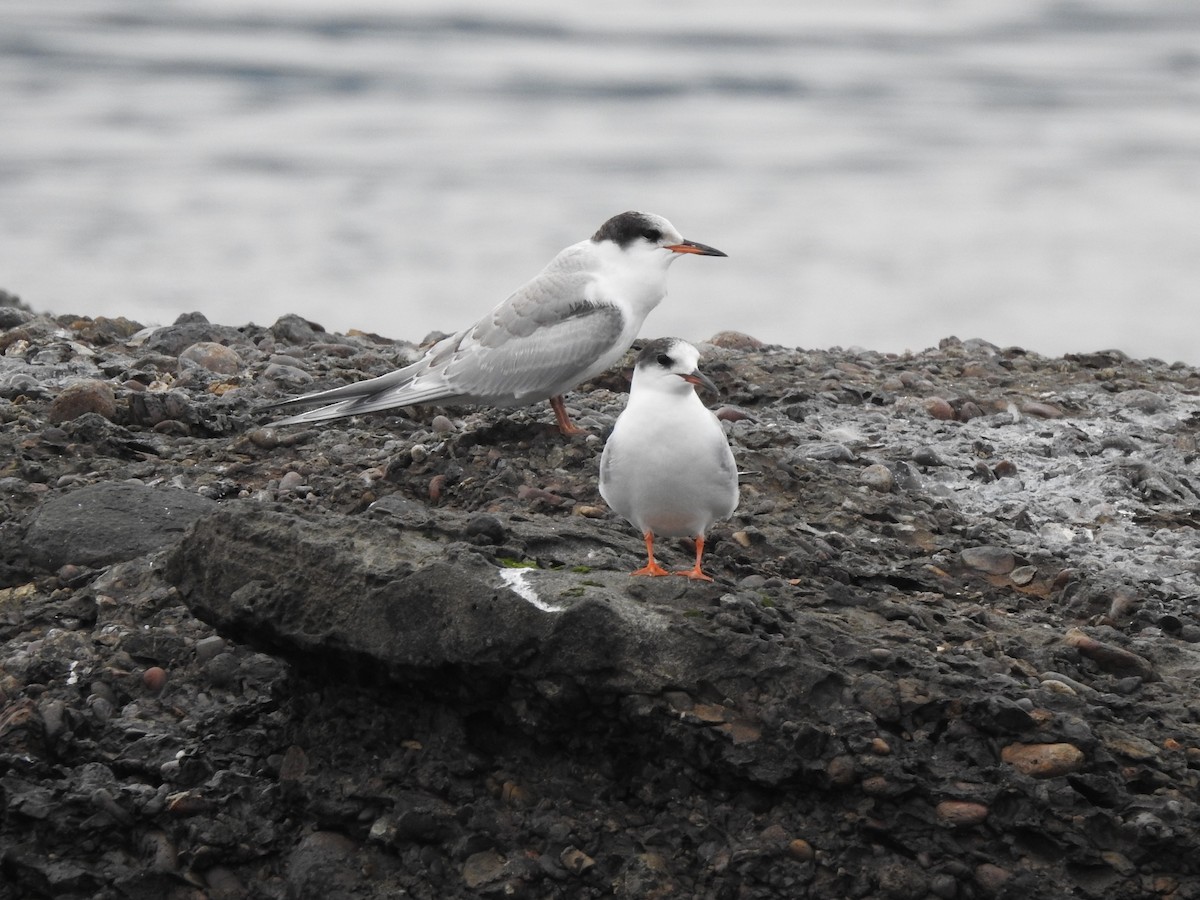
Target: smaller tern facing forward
column 667, row 466
column 569, row 324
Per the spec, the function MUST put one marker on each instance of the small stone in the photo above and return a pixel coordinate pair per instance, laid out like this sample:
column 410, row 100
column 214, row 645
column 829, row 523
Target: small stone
column 991, row 877
column 1041, row 410
column 944, row 886
column 207, row 648
column 187, row 803
column 437, row 484
column 294, row 765
column 442, row 425
column 212, row 357
column 876, row 785
column 961, row 813
column 291, row 483
column 733, row 414
column 735, row 340
column 575, row 860
column 287, row 375
column 989, row 559
column 878, row 477
column 1006, row 468
column 223, row 884
column 1110, row 658
column 968, row 410
column 154, row 678
column 927, row 456
column 841, row 771
column 516, row 795
column 485, row 529
column 482, row 868
column 1059, row 687
column 1043, row 760
column 1022, row 575
column 800, row 849
column 90, row 396
column 939, row 408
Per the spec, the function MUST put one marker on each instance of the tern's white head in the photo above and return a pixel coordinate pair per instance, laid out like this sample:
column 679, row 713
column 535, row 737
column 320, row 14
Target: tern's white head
column 669, row 365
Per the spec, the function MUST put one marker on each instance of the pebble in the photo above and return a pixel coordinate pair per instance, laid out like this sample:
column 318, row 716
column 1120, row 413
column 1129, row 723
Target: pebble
column 801, row 849
column 962, row 813
column 575, row 860
column 733, row 414
column 1044, row 760
column 1006, row 468
column 207, row 648
column 991, row 878
column 735, row 340
column 89, row 396
column 1041, row 410
column 927, row 456
column 442, row 425
column 212, row 357
column 878, row 477
column 1110, row 658
column 939, row 408
column 155, row 678
column 482, row 868
column 1022, row 575
column 841, row 771
column 293, row 483
column 288, row 376
column 990, row 559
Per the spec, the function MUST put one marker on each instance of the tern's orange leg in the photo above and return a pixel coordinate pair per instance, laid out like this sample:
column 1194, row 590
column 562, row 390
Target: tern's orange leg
column 565, row 425
column 694, row 572
column 651, row 568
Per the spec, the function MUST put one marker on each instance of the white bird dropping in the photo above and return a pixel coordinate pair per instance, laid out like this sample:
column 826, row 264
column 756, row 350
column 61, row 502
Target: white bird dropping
column 569, row 324
column 667, row 466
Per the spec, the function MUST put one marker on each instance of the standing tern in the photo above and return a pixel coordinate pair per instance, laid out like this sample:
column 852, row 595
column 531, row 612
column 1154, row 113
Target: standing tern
column 667, row 466
column 570, row 323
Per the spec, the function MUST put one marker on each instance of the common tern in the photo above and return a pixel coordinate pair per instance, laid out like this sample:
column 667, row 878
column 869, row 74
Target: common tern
column 570, row 323
column 667, row 466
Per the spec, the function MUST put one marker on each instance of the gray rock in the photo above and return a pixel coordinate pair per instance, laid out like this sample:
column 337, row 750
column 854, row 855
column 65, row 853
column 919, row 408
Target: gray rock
column 110, row 522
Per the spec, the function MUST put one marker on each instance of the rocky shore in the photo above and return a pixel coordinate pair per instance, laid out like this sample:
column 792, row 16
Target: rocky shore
column 952, row 649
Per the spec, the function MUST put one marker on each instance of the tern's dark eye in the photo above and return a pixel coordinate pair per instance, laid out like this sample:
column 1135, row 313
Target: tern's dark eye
column 664, row 360
column 652, row 234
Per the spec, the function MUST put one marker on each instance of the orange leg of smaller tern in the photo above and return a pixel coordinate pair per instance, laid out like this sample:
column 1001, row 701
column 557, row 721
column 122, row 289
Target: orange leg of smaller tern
column 651, row 568
column 565, row 425
column 695, row 572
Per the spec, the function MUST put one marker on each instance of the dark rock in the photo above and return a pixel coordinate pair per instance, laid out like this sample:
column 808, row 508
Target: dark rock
column 105, row 523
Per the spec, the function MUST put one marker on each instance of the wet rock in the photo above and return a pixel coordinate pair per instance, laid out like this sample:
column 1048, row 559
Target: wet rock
column 104, row 523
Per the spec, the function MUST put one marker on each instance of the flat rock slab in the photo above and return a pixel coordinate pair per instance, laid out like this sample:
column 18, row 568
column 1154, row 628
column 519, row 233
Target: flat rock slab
column 110, row 522
column 409, row 601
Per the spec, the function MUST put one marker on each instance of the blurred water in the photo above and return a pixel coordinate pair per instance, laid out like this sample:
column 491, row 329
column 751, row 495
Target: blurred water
column 881, row 174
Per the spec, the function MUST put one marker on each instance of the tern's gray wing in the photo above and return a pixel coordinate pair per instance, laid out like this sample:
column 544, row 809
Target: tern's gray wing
column 543, row 340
